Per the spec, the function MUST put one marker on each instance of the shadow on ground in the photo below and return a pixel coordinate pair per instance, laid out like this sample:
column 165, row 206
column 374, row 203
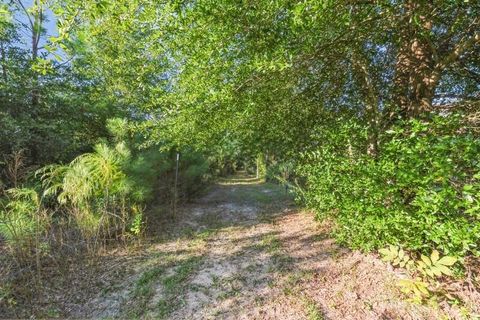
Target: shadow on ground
column 242, row 251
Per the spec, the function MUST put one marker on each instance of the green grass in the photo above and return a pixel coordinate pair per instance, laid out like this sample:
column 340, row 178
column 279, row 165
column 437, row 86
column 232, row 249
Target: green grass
column 270, row 243
column 166, row 306
column 205, row 234
column 149, row 276
column 231, row 286
column 144, row 291
column 171, row 271
column 312, row 310
column 230, row 293
column 182, row 272
column 53, row 313
column 175, row 286
column 283, row 263
column 295, row 279
column 263, row 194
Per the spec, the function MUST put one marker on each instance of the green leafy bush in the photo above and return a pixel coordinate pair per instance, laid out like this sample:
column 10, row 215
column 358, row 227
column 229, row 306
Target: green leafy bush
column 280, row 172
column 194, row 171
column 421, row 192
column 144, row 171
column 424, row 272
column 261, row 166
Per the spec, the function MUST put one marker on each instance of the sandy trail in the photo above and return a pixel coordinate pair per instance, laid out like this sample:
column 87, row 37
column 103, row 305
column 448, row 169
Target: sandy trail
column 244, row 251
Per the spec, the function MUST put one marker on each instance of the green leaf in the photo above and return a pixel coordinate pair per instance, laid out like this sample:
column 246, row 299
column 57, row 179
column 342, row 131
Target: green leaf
column 445, row 270
column 421, row 264
column 436, row 271
column 447, row 261
column 430, row 273
column 434, row 256
column 393, row 249
column 405, row 283
column 426, row 260
column 422, row 287
column 384, row 252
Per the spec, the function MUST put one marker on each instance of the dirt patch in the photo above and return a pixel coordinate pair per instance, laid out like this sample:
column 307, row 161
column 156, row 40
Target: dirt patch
column 243, row 251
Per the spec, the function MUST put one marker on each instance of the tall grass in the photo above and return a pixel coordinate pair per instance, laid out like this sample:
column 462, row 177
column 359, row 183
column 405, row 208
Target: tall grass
column 23, row 223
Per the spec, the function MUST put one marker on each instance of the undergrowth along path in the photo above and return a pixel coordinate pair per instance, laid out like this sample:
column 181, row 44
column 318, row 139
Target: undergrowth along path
column 244, row 251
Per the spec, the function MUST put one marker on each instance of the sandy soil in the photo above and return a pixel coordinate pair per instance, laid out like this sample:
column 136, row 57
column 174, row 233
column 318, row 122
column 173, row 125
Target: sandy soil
column 244, row 251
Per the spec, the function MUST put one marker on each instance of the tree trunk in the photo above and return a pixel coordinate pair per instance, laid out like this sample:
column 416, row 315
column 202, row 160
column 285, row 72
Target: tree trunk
column 370, row 96
column 3, row 56
column 36, row 33
column 414, row 88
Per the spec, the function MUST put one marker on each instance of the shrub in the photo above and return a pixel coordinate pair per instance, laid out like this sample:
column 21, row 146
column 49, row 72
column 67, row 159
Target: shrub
column 94, row 189
column 105, row 191
column 261, row 164
column 421, row 192
column 194, row 171
column 280, row 172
